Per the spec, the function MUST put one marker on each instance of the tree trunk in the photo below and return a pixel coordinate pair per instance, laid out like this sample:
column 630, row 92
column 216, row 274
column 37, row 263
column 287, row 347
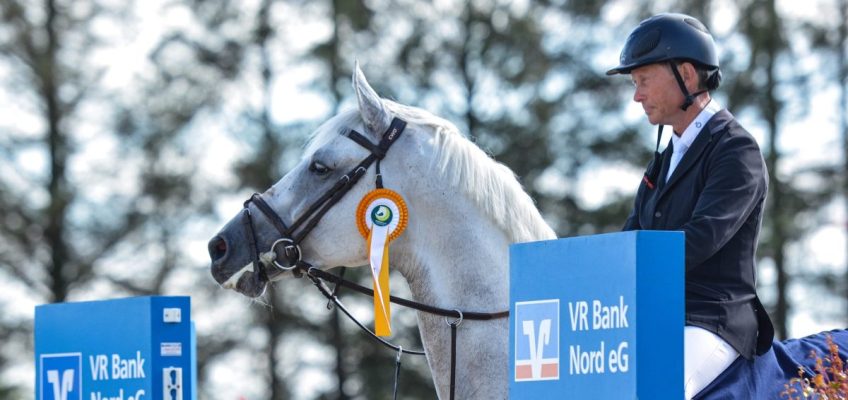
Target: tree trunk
column 58, row 152
column 274, row 327
column 465, row 68
column 336, row 332
column 771, row 110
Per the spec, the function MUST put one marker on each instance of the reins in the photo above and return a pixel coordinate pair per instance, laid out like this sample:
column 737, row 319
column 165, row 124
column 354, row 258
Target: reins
column 444, row 312
column 290, row 238
column 317, row 277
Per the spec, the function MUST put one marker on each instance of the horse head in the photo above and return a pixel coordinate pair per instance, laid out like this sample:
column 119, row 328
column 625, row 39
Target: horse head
column 313, row 205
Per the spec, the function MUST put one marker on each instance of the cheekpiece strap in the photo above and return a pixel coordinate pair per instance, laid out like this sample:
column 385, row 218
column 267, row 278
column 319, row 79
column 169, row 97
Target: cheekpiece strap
column 275, row 219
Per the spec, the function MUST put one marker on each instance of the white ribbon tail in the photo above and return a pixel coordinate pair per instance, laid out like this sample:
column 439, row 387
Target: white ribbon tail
column 379, row 236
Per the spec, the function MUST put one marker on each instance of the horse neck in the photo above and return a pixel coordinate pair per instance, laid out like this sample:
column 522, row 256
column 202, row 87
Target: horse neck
column 455, row 258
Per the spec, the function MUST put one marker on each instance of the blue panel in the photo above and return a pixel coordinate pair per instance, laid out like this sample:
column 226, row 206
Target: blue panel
column 193, row 361
column 660, row 272
column 172, row 347
column 115, row 345
column 583, row 309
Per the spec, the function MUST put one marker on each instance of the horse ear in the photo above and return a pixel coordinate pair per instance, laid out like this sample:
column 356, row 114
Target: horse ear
column 371, row 108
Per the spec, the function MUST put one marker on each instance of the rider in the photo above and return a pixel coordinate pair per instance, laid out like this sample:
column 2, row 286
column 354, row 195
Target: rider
column 710, row 182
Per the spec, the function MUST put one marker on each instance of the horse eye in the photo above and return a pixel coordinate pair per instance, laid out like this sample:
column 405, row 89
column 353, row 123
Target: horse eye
column 318, row 168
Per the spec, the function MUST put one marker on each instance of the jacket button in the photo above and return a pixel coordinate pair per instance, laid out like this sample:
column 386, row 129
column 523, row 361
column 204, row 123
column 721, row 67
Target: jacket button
column 657, row 214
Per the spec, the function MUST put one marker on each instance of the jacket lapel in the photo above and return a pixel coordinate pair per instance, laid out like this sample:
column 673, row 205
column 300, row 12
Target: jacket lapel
column 664, row 166
column 716, row 123
column 651, row 200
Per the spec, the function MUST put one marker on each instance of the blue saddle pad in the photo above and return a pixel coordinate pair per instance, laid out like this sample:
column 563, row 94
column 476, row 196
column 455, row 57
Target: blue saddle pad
column 765, row 376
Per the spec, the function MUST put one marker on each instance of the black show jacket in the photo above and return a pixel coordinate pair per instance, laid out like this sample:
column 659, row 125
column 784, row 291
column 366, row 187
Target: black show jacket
column 716, row 197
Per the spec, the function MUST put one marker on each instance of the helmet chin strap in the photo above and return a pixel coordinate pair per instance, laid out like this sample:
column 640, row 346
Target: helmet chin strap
column 651, row 177
column 688, row 99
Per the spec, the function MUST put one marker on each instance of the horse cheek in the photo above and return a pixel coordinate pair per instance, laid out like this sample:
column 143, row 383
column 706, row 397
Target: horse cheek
column 335, row 244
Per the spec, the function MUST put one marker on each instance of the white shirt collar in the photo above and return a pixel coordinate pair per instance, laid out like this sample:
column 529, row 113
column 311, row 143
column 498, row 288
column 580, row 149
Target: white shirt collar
column 685, row 140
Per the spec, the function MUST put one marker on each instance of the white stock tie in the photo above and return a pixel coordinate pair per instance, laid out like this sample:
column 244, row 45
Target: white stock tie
column 675, row 159
column 681, row 143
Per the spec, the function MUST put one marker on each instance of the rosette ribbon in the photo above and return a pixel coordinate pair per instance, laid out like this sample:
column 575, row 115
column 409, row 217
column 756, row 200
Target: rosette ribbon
column 381, row 217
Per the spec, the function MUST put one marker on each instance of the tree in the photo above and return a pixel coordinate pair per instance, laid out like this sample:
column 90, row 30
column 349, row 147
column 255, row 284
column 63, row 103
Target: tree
column 43, row 47
column 759, row 22
column 827, row 41
column 99, row 194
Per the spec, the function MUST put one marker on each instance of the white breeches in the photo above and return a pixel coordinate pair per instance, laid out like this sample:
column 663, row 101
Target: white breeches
column 706, row 356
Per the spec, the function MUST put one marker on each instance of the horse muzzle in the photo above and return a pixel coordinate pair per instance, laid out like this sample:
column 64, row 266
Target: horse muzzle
column 233, row 268
column 239, row 264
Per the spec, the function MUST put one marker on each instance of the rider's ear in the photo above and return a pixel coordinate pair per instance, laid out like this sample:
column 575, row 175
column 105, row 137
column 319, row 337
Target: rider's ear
column 371, row 108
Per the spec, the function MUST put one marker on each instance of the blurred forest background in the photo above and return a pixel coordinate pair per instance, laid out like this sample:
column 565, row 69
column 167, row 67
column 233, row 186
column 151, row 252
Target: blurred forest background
column 131, row 130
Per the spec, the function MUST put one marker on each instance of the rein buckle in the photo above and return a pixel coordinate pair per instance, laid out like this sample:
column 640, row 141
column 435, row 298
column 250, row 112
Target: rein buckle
column 291, row 251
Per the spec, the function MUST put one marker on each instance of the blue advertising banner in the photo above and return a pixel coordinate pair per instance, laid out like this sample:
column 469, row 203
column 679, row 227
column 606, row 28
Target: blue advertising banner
column 138, row 348
column 598, row 317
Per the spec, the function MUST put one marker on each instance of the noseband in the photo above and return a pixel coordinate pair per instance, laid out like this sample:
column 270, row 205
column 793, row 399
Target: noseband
column 267, row 264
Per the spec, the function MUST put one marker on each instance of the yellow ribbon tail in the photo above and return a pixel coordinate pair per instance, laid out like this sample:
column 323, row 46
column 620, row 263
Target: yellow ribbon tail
column 378, row 249
column 383, row 309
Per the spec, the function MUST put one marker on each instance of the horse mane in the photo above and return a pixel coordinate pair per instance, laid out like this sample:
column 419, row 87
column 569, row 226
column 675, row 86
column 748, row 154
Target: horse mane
column 492, row 186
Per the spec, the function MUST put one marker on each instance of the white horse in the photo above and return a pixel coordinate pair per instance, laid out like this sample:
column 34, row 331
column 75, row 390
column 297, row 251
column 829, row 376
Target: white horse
column 464, row 211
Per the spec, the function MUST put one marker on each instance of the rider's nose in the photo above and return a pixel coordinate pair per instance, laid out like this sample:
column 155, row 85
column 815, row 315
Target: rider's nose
column 217, row 248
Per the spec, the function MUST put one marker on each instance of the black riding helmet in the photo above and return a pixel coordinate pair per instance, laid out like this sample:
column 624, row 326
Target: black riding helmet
column 667, row 37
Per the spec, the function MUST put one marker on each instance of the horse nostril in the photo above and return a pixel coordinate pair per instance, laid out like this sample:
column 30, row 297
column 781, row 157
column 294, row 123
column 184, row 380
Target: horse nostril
column 217, row 248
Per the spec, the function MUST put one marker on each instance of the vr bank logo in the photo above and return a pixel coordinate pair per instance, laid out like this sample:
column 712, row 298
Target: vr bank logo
column 60, row 376
column 537, row 340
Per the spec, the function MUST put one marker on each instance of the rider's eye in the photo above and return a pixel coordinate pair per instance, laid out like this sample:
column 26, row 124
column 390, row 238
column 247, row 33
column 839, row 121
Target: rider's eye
column 318, row 168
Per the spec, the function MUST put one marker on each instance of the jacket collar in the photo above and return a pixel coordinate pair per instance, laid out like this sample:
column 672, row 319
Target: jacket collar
column 705, row 136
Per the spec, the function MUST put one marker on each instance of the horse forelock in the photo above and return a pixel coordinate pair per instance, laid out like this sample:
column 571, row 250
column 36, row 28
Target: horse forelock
column 329, row 130
column 492, row 186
